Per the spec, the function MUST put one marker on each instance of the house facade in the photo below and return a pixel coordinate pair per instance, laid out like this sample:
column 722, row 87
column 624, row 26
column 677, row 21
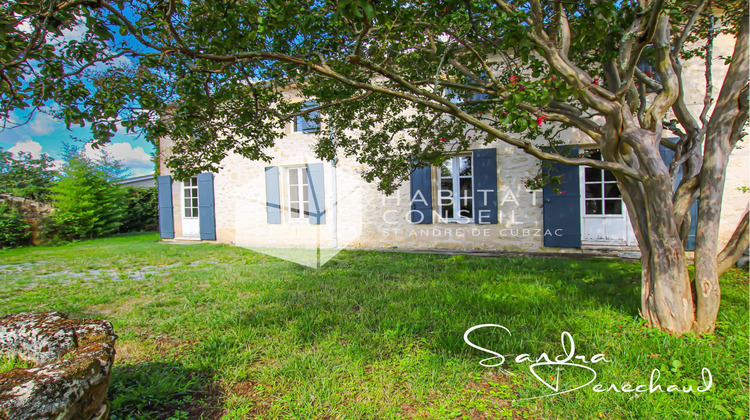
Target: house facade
column 476, row 200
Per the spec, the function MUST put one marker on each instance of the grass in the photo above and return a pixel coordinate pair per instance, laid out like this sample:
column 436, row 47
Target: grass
column 13, row 362
column 214, row 331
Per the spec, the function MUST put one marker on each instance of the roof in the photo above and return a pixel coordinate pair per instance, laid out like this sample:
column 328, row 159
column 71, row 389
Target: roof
column 135, row 179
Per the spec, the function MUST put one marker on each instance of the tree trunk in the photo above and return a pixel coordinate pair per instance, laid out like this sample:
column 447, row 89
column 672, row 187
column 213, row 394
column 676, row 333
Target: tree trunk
column 666, row 294
column 723, row 129
column 736, row 246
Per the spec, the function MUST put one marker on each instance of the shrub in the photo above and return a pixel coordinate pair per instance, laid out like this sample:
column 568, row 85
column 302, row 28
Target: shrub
column 14, row 231
column 141, row 210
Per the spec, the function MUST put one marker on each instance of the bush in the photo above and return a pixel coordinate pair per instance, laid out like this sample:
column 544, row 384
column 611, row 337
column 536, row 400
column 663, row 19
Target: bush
column 14, row 231
column 141, row 210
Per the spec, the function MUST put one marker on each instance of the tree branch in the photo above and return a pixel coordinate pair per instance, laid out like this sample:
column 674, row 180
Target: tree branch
column 737, row 245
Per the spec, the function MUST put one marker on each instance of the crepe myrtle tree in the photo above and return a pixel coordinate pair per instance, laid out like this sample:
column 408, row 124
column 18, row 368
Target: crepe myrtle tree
column 399, row 83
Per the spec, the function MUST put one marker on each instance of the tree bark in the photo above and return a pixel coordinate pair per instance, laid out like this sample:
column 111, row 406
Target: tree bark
column 735, row 247
column 666, row 295
column 726, row 115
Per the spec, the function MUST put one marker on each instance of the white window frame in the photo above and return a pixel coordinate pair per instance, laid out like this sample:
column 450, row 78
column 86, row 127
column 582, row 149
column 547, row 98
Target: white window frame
column 301, row 182
column 603, row 184
column 192, row 186
column 456, row 184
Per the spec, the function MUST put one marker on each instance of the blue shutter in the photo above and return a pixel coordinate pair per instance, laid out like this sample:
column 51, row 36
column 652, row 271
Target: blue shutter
column 207, row 218
column 667, row 155
column 562, row 212
column 315, row 181
column 166, row 222
column 273, row 195
column 420, row 195
column 485, row 186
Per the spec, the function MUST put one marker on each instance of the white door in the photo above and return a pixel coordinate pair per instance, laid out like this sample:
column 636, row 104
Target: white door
column 605, row 218
column 190, row 220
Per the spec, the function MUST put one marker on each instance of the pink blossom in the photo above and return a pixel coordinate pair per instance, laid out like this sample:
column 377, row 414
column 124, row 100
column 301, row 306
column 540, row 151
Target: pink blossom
column 540, row 120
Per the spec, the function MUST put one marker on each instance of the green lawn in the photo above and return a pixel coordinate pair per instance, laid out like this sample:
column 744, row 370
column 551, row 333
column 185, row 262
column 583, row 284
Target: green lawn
column 208, row 330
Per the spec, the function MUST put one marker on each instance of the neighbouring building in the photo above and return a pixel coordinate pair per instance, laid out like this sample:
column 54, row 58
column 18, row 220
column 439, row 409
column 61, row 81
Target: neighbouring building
column 143, row 181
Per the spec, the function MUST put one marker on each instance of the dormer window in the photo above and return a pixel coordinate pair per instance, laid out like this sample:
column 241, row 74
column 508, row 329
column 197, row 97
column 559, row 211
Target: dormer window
column 307, row 123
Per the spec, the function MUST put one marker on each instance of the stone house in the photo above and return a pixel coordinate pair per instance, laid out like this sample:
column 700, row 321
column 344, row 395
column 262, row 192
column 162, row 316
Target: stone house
column 297, row 201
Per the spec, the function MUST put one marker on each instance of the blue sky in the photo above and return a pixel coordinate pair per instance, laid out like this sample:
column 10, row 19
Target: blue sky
column 43, row 134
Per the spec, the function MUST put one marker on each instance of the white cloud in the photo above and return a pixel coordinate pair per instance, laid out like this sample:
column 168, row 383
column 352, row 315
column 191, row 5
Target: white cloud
column 43, row 124
column 28, row 146
column 125, row 153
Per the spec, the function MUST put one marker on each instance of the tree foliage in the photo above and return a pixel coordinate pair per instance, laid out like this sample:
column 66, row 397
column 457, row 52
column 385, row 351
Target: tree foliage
column 14, row 231
column 87, row 203
column 399, row 83
column 141, row 210
column 25, row 176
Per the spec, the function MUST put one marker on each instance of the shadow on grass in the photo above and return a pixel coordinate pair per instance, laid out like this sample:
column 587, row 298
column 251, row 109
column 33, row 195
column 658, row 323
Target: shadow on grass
column 363, row 296
column 162, row 391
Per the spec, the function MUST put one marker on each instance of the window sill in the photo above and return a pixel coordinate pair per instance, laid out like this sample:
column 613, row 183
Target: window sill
column 456, row 222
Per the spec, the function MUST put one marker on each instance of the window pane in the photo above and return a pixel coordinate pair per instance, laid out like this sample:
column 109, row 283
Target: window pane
column 294, row 210
column 613, row 206
column 593, row 174
column 465, row 184
column 593, row 190
column 188, row 201
column 447, row 212
column 612, row 191
column 293, row 193
column 306, row 208
column 595, row 154
column 188, row 212
column 305, row 190
column 467, row 208
column 609, row 176
column 312, row 124
column 303, row 175
column 195, row 212
column 464, row 166
column 447, row 168
column 446, row 188
column 293, row 177
column 195, row 202
column 593, row 207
